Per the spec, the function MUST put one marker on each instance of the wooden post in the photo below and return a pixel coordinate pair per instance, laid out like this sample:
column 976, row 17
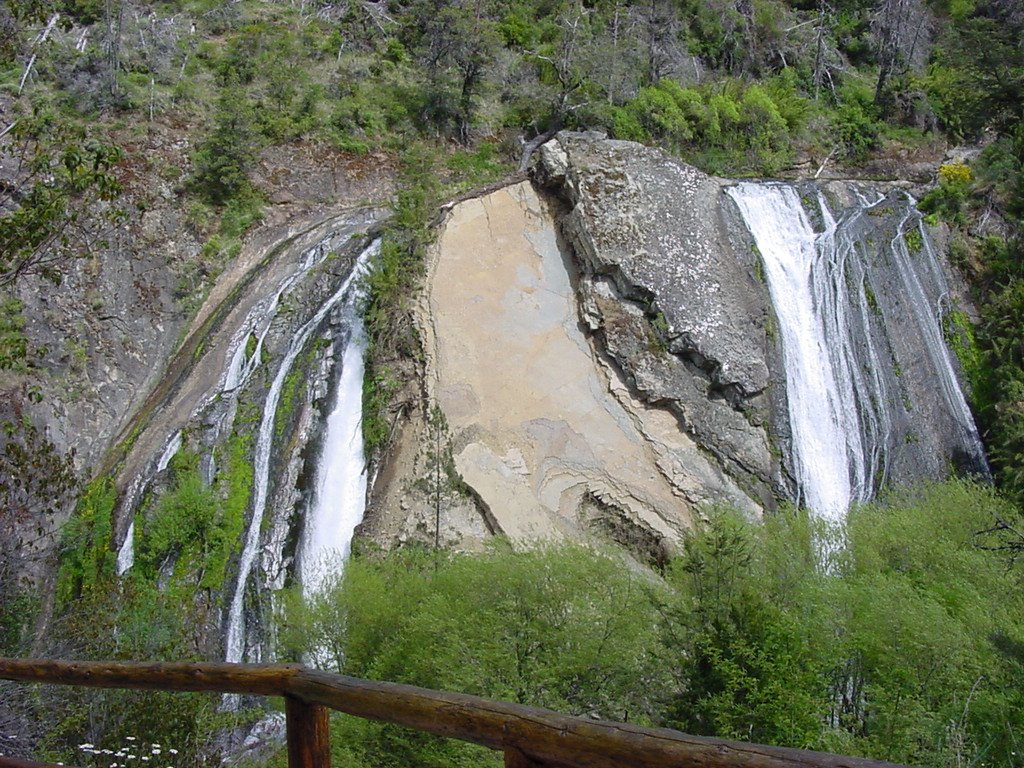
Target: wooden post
column 515, row 758
column 308, row 731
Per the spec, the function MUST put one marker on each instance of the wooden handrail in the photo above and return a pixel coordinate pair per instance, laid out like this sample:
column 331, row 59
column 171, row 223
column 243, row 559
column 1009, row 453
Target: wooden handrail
column 527, row 735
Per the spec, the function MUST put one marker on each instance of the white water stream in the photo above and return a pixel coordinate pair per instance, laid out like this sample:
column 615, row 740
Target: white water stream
column 931, row 333
column 840, row 403
column 235, row 635
column 126, row 554
column 822, row 419
column 339, row 499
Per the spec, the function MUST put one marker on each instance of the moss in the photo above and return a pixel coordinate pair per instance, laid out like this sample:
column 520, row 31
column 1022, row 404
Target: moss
column 87, row 556
column 759, row 273
column 234, row 488
column 914, row 240
column 250, row 345
column 657, row 334
column 291, row 391
column 179, row 528
column 872, row 300
column 960, row 337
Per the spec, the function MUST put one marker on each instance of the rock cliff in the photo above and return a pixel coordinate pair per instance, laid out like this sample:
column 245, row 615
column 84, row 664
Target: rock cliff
column 547, row 433
column 604, row 350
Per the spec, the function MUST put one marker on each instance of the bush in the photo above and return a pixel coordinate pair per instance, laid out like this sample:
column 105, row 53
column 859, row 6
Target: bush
column 899, row 646
column 733, row 128
column 947, row 200
column 856, row 121
column 222, row 161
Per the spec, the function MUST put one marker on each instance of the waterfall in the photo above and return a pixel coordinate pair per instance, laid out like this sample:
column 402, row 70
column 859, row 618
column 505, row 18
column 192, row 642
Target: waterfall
column 126, row 554
column 235, row 636
column 340, row 494
column 823, row 422
column 242, row 363
column 931, row 332
column 843, row 395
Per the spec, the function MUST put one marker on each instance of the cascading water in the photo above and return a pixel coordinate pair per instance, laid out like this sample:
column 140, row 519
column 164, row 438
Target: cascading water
column 340, row 495
column 243, row 362
column 931, row 333
column 843, row 395
column 126, row 554
column 235, row 635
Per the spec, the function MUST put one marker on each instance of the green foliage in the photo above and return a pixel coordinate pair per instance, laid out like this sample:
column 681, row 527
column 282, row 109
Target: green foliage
column 291, row 389
column 13, row 342
column 892, row 639
column 856, row 120
column 477, row 167
column 135, row 621
column 194, row 528
column 178, row 530
column 734, row 128
column 962, row 340
column 914, row 240
column 888, row 654
column 947, row 200
column 58, row 199
column 746, row 666
column 565, row 627
column 378, row 389
column 926, row 602
column 391, row 284
column 1003, row 404
column 234, row 489
column 222, row 161
column 87, row 557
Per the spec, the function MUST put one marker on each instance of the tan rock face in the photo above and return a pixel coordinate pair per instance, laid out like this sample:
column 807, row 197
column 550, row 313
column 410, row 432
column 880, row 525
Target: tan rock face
column 542, row 430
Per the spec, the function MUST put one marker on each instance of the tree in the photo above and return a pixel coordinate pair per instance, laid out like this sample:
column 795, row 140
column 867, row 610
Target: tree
column 59, row 204
column 442, row 482
column 744, row 666
column 457, row 43
column 223, row 159
column 902, row 31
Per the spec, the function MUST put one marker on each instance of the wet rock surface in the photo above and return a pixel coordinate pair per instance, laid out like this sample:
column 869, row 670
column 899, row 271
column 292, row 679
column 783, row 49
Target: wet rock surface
column 669, row 282
column 545, row 431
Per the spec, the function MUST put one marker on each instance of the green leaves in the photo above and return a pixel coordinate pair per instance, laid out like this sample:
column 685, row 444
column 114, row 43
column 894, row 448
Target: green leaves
column 732, row 128
column 58, row 205
column 906, row 648
column 562, row 627
column 223, row 159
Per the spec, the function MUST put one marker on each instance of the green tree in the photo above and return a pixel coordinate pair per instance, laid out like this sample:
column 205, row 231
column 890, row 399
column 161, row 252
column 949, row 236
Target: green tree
column 441, row 482
column 59, row 204
column 746, row 667
column 225, row 156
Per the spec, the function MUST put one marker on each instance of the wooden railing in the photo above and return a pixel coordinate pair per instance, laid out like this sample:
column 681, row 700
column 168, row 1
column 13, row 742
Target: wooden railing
column 529, row 737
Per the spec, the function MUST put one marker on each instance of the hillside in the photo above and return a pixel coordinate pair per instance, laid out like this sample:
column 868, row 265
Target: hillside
column 210, row 212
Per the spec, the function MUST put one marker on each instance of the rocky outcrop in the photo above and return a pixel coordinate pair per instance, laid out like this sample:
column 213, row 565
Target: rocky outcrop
column 669, row 282
column 606, row 354
column 544, row 430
